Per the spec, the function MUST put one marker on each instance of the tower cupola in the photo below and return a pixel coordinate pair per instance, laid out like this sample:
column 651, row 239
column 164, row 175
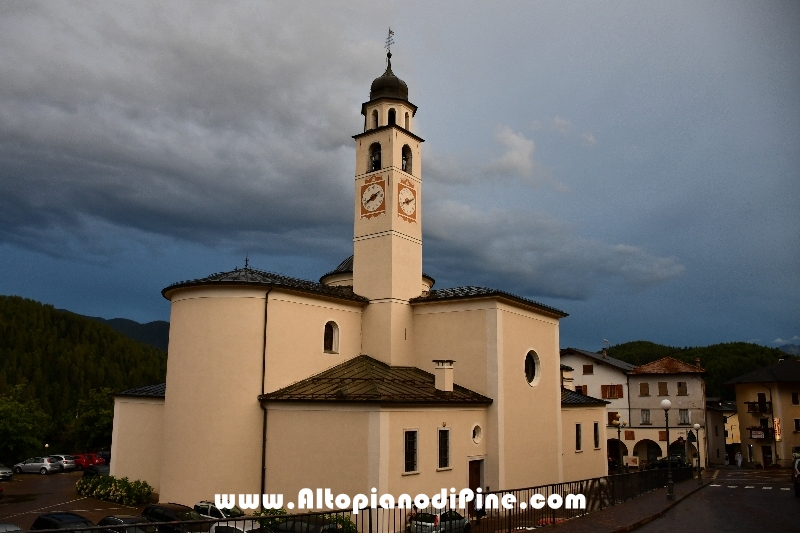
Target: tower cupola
column 388, row 85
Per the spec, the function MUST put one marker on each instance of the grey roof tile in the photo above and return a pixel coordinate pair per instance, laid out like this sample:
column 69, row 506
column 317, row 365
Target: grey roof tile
column 787, row 370
column 458, row 293
column 153, row 391
column 622, row 365
column 571, row 397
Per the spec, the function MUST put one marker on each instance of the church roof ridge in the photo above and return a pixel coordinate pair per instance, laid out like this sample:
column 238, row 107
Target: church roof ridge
column 366, row 379
column 469, row 291
column 252, row 276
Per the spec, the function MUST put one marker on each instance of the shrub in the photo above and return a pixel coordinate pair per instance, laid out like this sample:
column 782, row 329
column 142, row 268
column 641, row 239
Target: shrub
column 111, row 489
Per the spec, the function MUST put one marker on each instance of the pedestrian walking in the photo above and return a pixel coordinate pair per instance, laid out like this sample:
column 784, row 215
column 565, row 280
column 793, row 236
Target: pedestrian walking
column 727, row 462
column 738, row 458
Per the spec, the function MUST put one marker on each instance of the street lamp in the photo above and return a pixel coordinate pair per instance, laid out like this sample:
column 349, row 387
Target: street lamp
column 665, row 405
column 699, row 470
column 619, row 424
column 45, row 448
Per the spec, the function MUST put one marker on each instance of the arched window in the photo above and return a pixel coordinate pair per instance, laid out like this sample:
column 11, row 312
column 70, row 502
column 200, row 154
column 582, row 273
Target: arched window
column 331, row 338
column 406, row 159
column 374, row 157
column 392, row 120
column 532, row 368
column 374, row 118
column 407, row 122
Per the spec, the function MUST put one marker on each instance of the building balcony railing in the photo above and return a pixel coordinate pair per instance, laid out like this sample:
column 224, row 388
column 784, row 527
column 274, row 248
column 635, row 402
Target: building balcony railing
column 761, row 433
column 759, row 407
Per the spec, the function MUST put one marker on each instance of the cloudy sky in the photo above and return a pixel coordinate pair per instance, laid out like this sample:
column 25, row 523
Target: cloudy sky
column 634, row 164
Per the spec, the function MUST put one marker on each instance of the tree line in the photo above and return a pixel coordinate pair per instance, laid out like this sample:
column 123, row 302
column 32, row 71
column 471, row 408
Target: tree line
column 58, row 371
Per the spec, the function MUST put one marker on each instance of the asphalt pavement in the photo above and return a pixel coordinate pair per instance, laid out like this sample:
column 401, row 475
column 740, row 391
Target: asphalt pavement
column 29, row 495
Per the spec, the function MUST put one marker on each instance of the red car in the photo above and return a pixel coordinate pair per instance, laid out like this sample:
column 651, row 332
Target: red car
column 85, row 460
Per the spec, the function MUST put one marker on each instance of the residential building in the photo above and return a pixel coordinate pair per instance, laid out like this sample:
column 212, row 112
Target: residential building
column 369, row 378
column 768, row 404
column 721, row 438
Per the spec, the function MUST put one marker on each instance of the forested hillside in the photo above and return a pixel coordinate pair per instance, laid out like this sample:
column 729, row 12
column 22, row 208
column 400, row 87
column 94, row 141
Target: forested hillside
column 58, row 367
column 721, row 361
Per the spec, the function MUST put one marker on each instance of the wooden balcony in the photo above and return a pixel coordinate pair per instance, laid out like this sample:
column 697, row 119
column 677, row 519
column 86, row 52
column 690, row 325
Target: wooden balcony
column 759, row 407
column 761, row 433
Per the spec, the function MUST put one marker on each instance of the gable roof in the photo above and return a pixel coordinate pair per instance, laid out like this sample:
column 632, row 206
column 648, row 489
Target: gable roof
column 258, row 278
column 469, row 292
column 571, row 398
column 786, row 370
column 668, row 365
column 152, row 391
column 367, row 380
column 621, row 365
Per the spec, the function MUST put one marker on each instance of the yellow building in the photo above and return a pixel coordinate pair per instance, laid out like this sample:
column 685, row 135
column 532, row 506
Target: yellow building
column 768, row 405
column 369, row 378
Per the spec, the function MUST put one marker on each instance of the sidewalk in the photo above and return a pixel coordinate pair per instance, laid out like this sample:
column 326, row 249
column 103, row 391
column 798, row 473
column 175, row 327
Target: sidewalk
column 634, row 513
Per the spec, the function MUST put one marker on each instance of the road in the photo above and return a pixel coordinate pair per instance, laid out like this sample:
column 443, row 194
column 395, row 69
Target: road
column 28, row 495
column 737, row 501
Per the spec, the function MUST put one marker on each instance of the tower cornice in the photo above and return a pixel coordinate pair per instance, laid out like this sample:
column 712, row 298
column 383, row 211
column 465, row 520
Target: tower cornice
column 389, row 99
column 386, row 127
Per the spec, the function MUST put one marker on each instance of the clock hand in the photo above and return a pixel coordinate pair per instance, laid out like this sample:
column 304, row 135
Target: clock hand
column 374, row 195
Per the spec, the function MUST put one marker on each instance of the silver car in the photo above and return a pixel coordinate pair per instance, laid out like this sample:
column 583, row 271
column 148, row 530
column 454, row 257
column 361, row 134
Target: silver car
column 208, row 509
column 42, row 465
column 9, row 527
column 64, row 462
column 438, row 522
column 5, row 473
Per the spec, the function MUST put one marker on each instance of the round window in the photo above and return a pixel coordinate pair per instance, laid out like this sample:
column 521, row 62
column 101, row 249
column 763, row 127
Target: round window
column 477, row 433
column 531, row 368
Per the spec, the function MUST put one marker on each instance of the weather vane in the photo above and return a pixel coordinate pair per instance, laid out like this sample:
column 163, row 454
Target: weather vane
column 389, row 42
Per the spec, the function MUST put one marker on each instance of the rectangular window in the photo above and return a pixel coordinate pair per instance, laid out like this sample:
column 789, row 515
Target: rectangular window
column 597, row 434
column 611, row 417
column 646, row 417
column 577, row 437
column 410, row 451
column 444, row 448
column 683, row 390
column 796, row 398
column 644, row 389
column 611, row 392
column 716, row 431
column 683, row 415
column 797, row 424
column 588, row 369
column 582, row 389
column 662, row 388
column 717, row 453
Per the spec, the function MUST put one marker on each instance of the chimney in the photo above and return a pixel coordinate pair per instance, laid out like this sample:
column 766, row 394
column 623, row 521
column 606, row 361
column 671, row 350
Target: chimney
column 697, row 362
column 566, row 378
column 444, row 374
column 604, row 353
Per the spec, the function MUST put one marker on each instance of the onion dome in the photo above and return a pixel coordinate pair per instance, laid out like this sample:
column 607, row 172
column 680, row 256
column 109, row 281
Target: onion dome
column 388, row 85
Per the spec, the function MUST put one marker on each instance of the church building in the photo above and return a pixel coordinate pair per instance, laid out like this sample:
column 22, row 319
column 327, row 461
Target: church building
column 369, row 378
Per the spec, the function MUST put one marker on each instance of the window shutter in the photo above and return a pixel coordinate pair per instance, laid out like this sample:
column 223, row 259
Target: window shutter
column 604, row 391
column 620, row 393
column 585, row 390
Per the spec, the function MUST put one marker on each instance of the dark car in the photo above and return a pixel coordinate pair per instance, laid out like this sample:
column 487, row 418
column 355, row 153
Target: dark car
column 97, row 470
column 60, row 521
column 678, row 461
column 128, row 524
column 174, row 512
column 306, row 524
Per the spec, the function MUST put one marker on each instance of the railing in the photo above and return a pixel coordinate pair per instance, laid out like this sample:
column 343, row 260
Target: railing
column 759, row 407
column 761, row 433
column 597, row 494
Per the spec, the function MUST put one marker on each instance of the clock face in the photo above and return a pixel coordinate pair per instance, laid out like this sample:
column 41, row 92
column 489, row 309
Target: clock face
column 372, row 197
column 407, row 200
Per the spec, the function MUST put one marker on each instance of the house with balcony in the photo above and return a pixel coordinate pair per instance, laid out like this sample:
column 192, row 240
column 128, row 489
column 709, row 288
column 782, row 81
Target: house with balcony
column 768, row 403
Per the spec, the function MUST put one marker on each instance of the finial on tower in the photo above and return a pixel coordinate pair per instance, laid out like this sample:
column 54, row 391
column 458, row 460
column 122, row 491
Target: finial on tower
column 388, row 46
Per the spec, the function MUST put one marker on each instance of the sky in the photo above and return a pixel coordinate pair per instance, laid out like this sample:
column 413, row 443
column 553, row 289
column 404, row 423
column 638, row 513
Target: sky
column 635, row 164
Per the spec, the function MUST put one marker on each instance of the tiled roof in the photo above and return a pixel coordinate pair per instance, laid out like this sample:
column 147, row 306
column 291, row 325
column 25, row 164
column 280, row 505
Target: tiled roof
column 364, row 379
column 622, row 365
column 153, row 391
column 720, row 405
column 253, row 277
column 565, row 367
column 345, row 267
column 667, row 365
column 787, row 370
column 570, row 397
column 458, row 293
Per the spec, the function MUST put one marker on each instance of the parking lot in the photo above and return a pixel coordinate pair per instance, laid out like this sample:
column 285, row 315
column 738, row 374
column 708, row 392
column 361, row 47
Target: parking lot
column 28, row 495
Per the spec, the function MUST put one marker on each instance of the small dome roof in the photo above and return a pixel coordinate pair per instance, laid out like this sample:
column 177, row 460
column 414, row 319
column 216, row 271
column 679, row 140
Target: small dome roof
column 388, row 85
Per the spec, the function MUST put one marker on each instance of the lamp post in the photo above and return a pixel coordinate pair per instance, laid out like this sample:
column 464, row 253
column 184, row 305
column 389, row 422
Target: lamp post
column 45, row 448
column 619, row 425
column 699, row 469
column 665, row 405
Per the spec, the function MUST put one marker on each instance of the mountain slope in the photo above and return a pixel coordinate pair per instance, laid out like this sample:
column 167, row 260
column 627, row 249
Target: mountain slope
column 154, row 333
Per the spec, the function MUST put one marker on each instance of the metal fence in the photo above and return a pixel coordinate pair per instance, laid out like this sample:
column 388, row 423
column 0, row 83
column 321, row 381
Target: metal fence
column 554, row 502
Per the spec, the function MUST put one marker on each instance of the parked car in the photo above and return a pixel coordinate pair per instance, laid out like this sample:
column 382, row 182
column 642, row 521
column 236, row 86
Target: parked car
column 60, row 520
column 438, row 522
column 97, row 470
column 208, row 509
column 796, row 476
column 4, row 528
column 173, row 512
column 678, row 461
column 5, row 473
column 42, row 465
column 305, row 524
column 128, row 524
column 85, row 460
column 65, row 462
column 105, row 455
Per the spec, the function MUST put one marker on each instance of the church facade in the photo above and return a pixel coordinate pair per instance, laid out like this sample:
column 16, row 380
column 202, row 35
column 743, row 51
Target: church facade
column 369, row 378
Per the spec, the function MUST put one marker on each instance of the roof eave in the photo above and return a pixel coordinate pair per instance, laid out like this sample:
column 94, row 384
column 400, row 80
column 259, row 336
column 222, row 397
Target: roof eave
column 388, row 127
column 355, row 299
column 392, row 99
column 553, row 313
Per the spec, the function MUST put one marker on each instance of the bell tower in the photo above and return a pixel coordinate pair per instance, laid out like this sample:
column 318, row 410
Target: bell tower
column 387, row 241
